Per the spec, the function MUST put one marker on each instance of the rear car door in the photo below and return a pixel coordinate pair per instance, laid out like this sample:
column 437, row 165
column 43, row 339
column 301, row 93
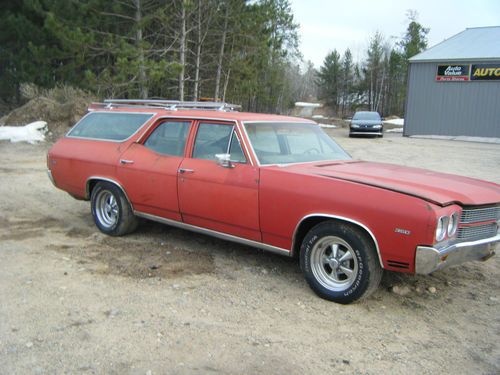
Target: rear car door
column 224, row 199
column 148, row 169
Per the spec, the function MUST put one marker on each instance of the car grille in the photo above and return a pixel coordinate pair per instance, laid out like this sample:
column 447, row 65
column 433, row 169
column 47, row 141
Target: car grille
column 482, row 229
column 480, row 214
column 477, row 232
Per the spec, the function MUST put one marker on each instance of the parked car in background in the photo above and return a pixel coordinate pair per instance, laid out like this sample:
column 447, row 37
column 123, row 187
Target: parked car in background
column 366, row 123
column 276, row 183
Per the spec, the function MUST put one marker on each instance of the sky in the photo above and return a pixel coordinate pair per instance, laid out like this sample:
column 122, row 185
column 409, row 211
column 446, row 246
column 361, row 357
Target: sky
column 326, row 25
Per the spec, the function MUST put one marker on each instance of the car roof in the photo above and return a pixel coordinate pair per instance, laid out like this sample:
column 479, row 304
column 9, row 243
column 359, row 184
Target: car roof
column 204, row 114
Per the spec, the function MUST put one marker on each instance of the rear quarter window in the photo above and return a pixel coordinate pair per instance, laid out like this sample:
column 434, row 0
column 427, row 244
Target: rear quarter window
column 109, row 126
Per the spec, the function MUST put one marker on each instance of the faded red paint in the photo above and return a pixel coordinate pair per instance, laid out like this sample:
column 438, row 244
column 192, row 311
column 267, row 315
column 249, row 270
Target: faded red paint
column 267, row 203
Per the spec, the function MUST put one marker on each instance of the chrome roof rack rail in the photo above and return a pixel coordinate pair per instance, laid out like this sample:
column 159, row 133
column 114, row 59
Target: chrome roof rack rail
column 171, row 104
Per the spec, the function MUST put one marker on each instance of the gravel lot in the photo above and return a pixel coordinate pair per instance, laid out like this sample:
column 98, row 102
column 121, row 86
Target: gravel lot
column 166, row 301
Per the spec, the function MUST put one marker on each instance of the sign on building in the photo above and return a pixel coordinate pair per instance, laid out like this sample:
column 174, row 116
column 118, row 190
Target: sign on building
column 468, row 72
column 485, row 72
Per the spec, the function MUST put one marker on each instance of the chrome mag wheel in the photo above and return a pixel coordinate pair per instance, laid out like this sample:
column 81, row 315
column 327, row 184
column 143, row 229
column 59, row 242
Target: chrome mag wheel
column 334, row 263
column 107, row 209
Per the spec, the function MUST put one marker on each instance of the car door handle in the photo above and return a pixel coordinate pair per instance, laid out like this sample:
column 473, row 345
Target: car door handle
column 185, row 170
column 123, row 161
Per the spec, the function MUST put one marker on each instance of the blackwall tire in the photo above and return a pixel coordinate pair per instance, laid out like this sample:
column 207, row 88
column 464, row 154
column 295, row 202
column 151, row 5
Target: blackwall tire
column 111, row 210
column 340, row 262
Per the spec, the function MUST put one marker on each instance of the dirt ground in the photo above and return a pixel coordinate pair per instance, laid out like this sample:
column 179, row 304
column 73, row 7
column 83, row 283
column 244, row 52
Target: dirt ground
column 167, row 301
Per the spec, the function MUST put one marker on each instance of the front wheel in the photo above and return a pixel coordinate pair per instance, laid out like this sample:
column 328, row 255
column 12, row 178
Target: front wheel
column 111, row 211
column 340, row 262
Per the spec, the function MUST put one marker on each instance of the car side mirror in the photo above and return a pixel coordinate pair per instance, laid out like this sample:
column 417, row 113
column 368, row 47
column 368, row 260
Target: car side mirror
column 224, row 160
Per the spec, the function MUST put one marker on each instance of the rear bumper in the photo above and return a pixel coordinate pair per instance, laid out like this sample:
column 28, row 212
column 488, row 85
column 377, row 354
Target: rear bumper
column 429, row 259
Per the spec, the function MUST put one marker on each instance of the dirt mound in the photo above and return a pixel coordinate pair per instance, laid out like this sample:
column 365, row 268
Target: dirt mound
column 60, row 108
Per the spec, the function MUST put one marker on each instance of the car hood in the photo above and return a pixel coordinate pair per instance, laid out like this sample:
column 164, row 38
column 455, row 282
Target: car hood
column 438, row 188
column 366, row 122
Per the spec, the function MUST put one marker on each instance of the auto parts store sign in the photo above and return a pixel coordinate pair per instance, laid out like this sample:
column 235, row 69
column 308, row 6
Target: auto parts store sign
column 468, row 72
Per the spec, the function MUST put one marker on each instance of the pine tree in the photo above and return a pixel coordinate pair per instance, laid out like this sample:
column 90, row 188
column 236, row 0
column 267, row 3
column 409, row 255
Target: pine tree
column 329, row 77
column 415, row 39
column 347, row 78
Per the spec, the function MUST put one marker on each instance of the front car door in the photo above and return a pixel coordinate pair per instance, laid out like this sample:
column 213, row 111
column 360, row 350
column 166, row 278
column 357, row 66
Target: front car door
column 224, row 199
column 148, row 169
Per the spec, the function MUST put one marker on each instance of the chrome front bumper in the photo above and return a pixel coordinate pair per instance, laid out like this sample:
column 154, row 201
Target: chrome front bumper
column 366, row 132
column 49, row 173
column 430, row 259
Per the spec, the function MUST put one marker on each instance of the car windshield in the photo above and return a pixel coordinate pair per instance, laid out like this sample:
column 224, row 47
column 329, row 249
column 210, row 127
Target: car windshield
column 283, row 143
column 366, row 116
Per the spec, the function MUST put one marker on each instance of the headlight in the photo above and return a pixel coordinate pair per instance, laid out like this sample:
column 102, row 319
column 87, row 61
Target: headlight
column 377, row 126
column 441, row 228
column 453, row 224
column 355, row 126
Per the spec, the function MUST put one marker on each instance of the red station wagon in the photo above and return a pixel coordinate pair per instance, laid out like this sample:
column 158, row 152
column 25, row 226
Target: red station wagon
column 276, row 183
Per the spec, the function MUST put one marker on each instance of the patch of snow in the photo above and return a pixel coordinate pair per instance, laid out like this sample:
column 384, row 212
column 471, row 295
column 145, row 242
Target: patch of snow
column 328, row 126
column 396, row 130
column 306, row 104
column 319, row 117
column 31, row 133
column 397, row 122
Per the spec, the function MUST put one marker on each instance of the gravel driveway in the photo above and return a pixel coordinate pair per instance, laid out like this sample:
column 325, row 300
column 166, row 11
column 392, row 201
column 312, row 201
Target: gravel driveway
column 167, row 301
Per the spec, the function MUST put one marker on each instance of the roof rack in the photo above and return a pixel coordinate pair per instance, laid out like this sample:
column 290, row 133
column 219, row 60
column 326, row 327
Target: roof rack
column 171, row 104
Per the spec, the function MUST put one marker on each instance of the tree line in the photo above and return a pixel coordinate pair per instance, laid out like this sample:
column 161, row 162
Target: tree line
column 239, row 51
column 230, row 50
column 379, row 81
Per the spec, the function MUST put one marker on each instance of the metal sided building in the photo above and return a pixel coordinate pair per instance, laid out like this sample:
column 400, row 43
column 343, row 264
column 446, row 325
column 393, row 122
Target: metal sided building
column 454, row 87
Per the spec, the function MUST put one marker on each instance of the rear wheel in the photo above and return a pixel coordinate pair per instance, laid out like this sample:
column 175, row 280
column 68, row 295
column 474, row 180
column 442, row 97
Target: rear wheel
column 340, row 262
column 111, row 211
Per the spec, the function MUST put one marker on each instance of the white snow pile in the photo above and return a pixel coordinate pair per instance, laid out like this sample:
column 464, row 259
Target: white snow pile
column 396, row 121
column 306, row 104
column 31, row 133
column 327, row 126
column 395, row 130
column 319, row 117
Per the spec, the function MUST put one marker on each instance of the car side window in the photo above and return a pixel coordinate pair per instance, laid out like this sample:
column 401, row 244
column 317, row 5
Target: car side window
column 236, row 151
column 211, row 139
column 169, row 138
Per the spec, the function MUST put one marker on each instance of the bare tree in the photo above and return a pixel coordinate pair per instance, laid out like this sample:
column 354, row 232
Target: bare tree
column 182, row 50
column 221, row 52
column 143, row 87
column 203, row 22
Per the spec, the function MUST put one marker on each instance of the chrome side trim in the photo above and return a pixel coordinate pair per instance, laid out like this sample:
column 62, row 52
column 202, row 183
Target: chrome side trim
column 87, row 187
column 109, row 112
column 343, row 219
column 213, row 233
